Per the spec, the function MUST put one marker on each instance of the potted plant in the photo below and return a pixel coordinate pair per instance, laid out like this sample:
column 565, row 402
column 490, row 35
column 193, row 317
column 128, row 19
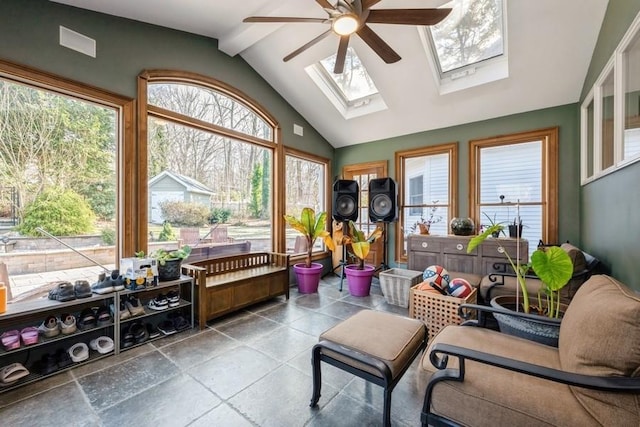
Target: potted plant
column 515, row 229
column 311, row 226
column 169, row 261
column 359, row 275
column 492, row 222
column 554, row 268
column 423, row 225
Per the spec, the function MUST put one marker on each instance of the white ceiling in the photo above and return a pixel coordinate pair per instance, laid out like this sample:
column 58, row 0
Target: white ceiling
column 550, row 44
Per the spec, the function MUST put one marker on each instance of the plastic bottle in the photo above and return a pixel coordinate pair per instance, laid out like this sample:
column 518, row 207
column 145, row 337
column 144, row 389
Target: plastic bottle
column 3, row 298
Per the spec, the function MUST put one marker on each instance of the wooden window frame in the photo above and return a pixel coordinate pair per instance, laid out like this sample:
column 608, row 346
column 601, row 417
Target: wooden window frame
column 288, row 151
column 550, row 162
column 450, row 148
column 145, row 110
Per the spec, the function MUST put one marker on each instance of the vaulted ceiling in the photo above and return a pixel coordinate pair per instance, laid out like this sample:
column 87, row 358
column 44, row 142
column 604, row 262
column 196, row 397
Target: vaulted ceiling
column 550, row 44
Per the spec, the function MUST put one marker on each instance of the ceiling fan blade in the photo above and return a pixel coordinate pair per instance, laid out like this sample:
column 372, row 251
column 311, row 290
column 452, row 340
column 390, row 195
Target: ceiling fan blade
column 407, row 16
column 378, row 45
column 306, row 45
column 366, row 4
column 342, row 55
column 282, row 19
column 325, row 4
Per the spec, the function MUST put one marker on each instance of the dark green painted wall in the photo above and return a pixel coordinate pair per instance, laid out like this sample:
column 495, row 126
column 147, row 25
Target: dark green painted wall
column 610, row 224
column 565, row 117
column 29, row 35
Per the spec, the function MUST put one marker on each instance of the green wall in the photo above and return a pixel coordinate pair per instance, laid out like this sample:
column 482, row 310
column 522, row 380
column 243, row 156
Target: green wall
column 610, row 225
column 565, row 117
column 29, row 35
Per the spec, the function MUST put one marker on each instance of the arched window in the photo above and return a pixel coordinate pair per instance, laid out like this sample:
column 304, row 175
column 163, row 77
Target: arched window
column 207, row 165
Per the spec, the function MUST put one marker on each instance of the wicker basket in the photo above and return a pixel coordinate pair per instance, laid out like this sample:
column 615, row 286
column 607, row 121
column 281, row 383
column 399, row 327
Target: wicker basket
column 437, row 310
column 396, row 284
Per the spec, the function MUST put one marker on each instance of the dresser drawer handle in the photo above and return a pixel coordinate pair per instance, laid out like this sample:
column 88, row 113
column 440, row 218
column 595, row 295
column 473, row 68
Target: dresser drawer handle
column 425, row 245
column 500, row 249
column 459, row 246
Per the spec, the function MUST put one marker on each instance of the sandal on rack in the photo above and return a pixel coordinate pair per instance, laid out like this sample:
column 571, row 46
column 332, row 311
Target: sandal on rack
column 78, row 352
column 29, row 335
column 10, row 340
column 12, row 373
column 102, row 345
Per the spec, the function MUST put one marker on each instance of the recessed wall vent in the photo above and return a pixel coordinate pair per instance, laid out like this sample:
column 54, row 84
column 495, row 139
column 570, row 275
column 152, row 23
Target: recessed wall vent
column 77, row 42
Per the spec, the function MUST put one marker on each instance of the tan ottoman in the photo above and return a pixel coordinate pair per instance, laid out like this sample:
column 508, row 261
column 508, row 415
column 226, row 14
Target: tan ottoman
column 376, row 346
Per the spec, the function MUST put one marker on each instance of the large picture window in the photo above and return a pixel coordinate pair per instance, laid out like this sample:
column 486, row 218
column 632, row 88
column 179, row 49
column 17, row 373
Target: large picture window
column 209, row 165
column 514, row 178
column 60, row 149
column 427, row 191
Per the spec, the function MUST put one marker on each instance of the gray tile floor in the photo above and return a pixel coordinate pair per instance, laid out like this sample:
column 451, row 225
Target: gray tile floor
column 248, row 369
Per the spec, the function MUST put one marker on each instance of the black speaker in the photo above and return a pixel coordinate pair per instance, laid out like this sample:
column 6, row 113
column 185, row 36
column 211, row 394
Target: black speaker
column 345, row 200
column 383, row 200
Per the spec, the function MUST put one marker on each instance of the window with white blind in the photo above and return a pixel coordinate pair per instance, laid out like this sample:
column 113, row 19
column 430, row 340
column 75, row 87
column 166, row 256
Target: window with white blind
column 515, row 182
column 426, row 191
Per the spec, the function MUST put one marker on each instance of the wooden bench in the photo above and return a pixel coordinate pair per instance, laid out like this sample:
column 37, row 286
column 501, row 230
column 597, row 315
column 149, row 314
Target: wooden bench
column 215, row 250
column 229, row 283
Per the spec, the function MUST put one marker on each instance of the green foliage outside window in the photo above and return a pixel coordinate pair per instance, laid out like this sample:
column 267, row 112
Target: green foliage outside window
column 185, row 214
column 59, row 212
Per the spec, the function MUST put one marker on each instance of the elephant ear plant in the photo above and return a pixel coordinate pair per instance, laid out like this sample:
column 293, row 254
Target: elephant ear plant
column 552, row 265
column 360, row 244
column 311, row 226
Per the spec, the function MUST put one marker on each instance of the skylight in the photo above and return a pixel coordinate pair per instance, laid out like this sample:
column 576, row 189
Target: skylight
column 352, row 92
column 470, row 44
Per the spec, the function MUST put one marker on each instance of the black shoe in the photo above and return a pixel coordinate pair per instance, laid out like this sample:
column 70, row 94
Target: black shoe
column 62, row 291
column 47, row 364
column 127, row 339
column 104, row 316
column 167, row 327
column 152, row 331
column 173, row 298
column 82, row 289
column 139, row 332
column 179, row 322
column 63, row 358
column 87, row 319
column 159, row 303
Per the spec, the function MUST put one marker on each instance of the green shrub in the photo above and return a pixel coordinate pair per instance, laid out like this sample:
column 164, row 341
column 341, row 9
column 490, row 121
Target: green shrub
column 219, row 215
column 109, row 236
column 184, row 213
column 59, row 212
column 167, row 233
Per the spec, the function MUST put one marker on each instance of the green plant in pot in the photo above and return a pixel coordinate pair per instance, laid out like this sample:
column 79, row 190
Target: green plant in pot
column 359, row 275
column 169, row 261
column 554, row 268
column 311, row 226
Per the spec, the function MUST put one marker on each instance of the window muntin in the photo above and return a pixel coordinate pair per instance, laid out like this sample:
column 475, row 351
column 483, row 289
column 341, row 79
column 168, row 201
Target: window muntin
column 523, row 169
column 416, row 193
column 306, row 178
column 437, row 165
column 473, row 32
column 208, row 105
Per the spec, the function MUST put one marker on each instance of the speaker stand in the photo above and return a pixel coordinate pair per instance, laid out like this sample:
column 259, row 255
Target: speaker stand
column 342, row 263
column 383, row 265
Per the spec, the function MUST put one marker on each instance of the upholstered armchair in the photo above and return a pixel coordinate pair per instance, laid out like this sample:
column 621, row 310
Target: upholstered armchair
column 503, row 280
column 480, row 377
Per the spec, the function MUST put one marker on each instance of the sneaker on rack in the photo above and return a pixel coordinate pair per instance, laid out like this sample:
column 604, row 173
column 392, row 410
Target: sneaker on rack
column 82, row 289
column 67, row 323
column 104, row 285
column 152, row 330
column 103, row 316
column 62, row 291
column 159, row 303
column 124, row 311
column 87, row 319
column 117, row 281
column 166, row 327
column 50, row 327
column 134, row 305
column 173, row 298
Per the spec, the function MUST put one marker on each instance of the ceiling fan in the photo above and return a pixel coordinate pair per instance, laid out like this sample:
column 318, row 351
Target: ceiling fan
column 347, row 17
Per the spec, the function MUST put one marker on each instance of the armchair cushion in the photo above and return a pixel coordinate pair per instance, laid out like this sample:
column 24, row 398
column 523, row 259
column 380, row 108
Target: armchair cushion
column 599, row 335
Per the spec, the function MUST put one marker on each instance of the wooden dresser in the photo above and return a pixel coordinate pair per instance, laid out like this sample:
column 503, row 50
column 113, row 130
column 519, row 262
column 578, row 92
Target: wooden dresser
column 451, row 253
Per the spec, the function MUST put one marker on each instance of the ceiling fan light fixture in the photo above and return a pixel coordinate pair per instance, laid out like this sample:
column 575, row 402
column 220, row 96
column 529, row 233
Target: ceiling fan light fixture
column 345, row 25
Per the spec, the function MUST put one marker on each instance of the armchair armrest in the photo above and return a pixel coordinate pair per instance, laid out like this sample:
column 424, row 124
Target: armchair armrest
column 465, row 312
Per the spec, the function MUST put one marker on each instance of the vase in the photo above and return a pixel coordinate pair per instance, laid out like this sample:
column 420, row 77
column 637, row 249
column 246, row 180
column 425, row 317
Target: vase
column 359, row 281
column 462, row 226
column 424, row 228
column 170, row 270
column 539, row 331
column 515, row 231
column 308, row 278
